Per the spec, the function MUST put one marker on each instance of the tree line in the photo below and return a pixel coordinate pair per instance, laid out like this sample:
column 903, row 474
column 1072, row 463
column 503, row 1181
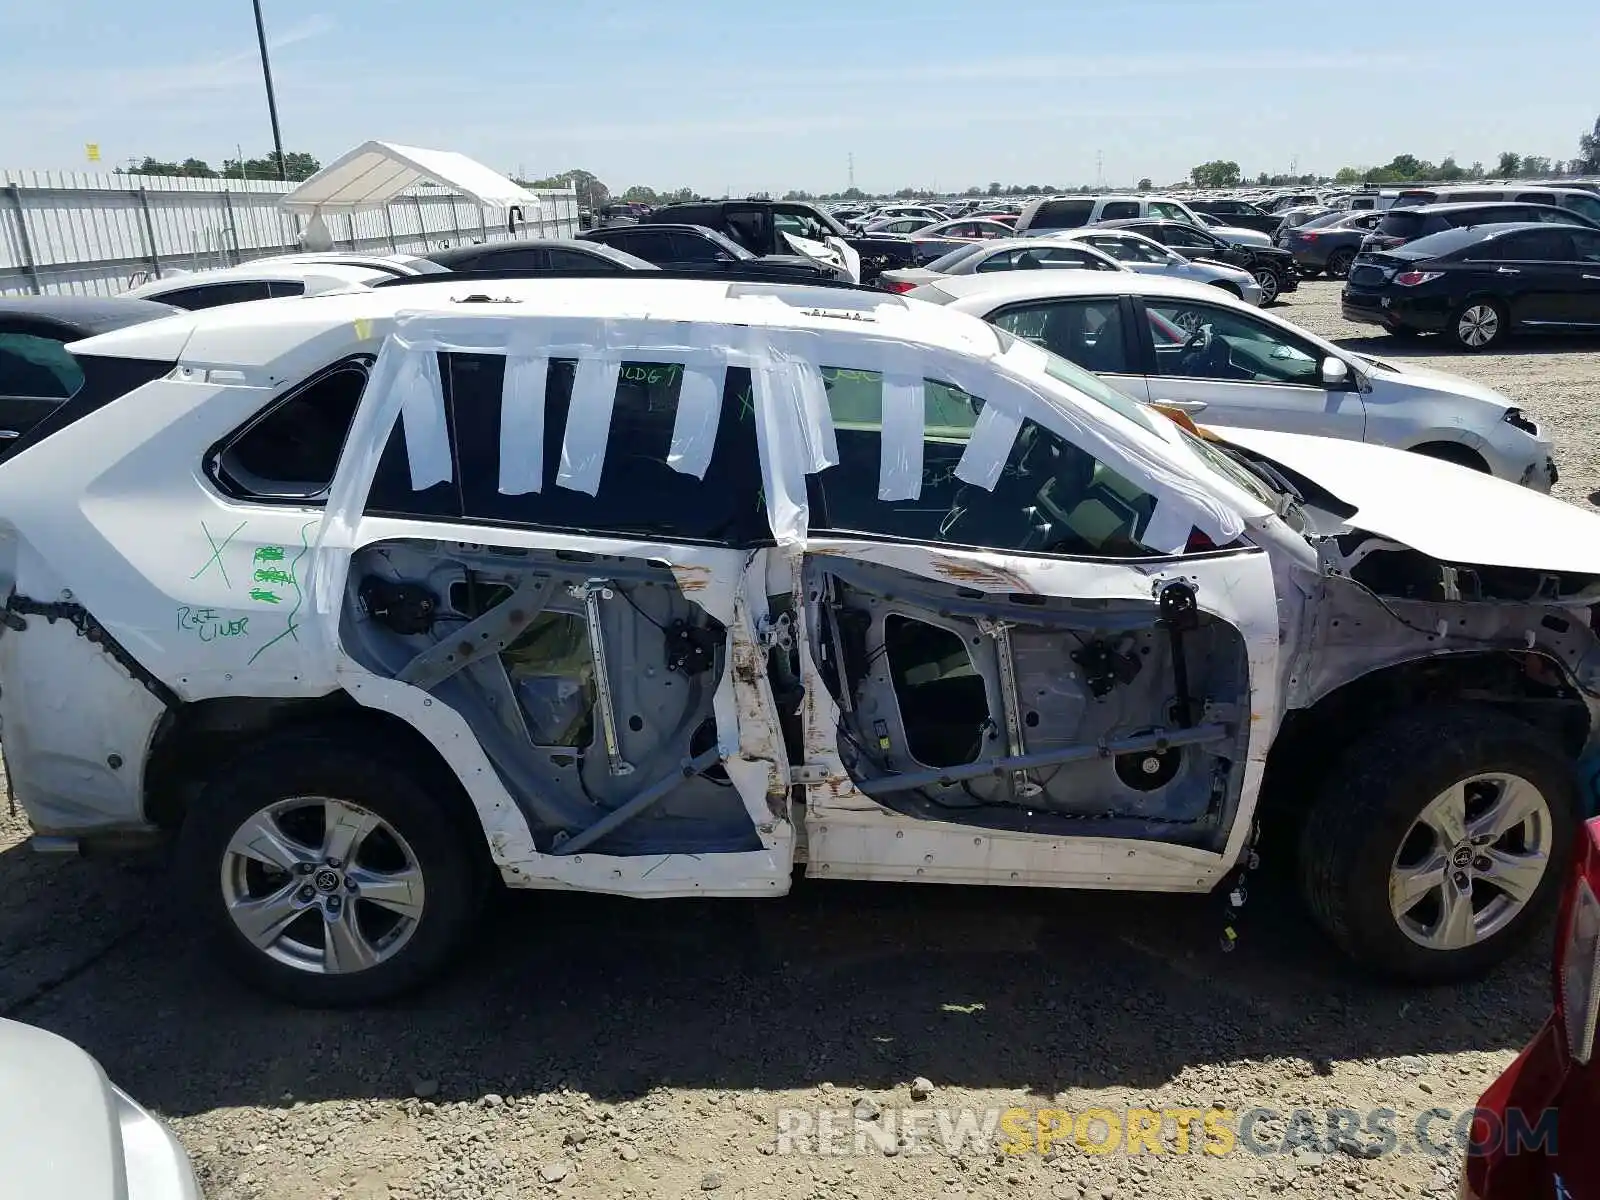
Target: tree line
column 1408, row 168
column 296, row 166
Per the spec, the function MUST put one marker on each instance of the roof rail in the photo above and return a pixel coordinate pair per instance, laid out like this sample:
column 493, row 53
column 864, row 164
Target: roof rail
column 751, row 276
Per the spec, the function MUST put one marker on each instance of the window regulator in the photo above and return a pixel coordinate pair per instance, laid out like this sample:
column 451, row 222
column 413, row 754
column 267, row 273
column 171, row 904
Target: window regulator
column 591, row 593
column 1010, row 700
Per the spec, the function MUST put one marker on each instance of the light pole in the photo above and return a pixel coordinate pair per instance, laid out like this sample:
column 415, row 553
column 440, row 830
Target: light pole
column 272, row 102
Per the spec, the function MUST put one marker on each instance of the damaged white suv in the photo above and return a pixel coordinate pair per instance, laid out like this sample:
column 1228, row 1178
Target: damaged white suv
column 660, row 586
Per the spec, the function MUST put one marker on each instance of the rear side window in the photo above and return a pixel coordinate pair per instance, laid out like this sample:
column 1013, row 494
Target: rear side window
column 214, row 295
column 1403, row 224
column 37, row 367
column 286, row 287
column 1061, row 214
column 1119, row 210
column 1051, row 497
column 686, row 247
column 638, row 493
column 1087, row 332
column 289, row 452
column 1539, row 245
column 652, row 245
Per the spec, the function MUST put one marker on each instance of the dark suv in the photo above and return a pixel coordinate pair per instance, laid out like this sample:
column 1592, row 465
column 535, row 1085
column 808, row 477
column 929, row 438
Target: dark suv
column 1402, row 225
column 694, row 247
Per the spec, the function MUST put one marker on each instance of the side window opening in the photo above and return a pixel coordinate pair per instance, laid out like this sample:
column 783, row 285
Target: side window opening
column 639, row 494
column 289, row 452
column 1051, row 498
column 1087, row 332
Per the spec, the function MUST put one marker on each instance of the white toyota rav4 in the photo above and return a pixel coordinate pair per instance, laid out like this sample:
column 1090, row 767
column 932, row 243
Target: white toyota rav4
column 660, row 586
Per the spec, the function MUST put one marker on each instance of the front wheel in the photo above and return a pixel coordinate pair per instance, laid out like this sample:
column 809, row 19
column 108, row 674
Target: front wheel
column 327, row 875
column 1435, row 846
column 1339, row 263
column 1478, row 325
column 1267, row 281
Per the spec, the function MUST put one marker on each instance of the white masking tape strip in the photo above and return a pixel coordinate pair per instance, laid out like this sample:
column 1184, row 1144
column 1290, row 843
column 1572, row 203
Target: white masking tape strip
column 583, row 448
column 990, row 446
column 422, row 416
column 522, row 424
column 900, row 453
column 1169, row 527
column 816, row 419
column 694, row 425
column 778, row 435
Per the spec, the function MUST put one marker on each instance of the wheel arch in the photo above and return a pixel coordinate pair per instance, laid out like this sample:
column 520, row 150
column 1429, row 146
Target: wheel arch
column 1230, row 288
column 194, row 741
column 1451, row 450
column 1311, row 740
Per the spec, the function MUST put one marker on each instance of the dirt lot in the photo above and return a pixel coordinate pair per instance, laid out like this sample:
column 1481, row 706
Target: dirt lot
column 596, row 1048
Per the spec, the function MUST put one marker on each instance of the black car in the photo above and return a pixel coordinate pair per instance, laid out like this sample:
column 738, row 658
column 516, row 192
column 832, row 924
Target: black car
column 760, row 225
column 1273, row 268
column 37, row 374
column 694, row 247
column 1477, row 285
column 536, row 256
column 1402, row 225
column 1240, row 214
column 1329, row 243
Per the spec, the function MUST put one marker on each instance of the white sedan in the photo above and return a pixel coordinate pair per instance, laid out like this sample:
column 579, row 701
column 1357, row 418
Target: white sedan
column 1191, row 347
column 262, row 279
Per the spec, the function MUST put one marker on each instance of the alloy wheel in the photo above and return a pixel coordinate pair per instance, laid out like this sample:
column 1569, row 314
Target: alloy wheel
column 1478, row 325
column 322, row 885
column 1268, row 282
column 1471, row 862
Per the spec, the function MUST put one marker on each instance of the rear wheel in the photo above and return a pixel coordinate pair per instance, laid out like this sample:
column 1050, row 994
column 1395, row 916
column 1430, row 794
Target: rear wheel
column 1267, row 281
column 328, row 875
column 1478, row 324
column 1339, row 261
column 1435, row 846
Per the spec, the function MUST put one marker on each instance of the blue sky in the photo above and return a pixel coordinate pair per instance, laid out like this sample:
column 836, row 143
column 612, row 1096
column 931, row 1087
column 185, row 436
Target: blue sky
column 716, row 94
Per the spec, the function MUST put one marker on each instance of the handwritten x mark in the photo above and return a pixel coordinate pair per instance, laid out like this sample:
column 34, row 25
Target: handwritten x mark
column 216, row 553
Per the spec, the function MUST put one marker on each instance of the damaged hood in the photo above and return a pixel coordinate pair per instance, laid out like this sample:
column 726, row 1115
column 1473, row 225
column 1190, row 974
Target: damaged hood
column 1457, row 387
column 1445, row 511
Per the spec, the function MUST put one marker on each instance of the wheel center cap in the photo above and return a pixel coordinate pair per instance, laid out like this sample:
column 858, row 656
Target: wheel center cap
column 326, row 879
column 1462, row 857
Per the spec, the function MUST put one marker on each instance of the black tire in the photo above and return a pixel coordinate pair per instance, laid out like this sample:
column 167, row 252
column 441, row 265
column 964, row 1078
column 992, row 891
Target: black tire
column 361, row 769
column 1492, row 324
column 1369, row 806
column 1338, row 265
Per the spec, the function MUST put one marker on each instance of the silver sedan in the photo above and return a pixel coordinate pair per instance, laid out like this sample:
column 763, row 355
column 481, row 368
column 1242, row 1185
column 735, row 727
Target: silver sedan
column 1141, row 254
column 1006, row 254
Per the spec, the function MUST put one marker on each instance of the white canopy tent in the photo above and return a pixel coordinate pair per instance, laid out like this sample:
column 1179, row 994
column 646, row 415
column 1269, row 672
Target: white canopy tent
column 374, row 173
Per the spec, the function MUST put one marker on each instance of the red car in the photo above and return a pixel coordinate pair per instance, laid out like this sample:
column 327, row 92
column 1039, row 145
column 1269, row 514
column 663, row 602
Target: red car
column 1537, row 1132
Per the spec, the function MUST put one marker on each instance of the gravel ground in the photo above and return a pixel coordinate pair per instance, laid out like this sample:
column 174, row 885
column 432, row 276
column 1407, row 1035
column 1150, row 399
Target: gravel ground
column 594, row 1048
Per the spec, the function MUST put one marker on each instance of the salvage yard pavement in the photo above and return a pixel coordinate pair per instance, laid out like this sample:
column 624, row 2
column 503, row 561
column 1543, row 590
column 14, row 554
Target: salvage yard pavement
column 846, row 1042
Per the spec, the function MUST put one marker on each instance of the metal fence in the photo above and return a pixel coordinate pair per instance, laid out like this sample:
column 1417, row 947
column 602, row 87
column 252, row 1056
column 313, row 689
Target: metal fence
column 64, row 232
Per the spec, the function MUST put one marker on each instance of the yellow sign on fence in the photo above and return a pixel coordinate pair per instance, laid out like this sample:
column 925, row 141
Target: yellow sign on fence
column 91, row 151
